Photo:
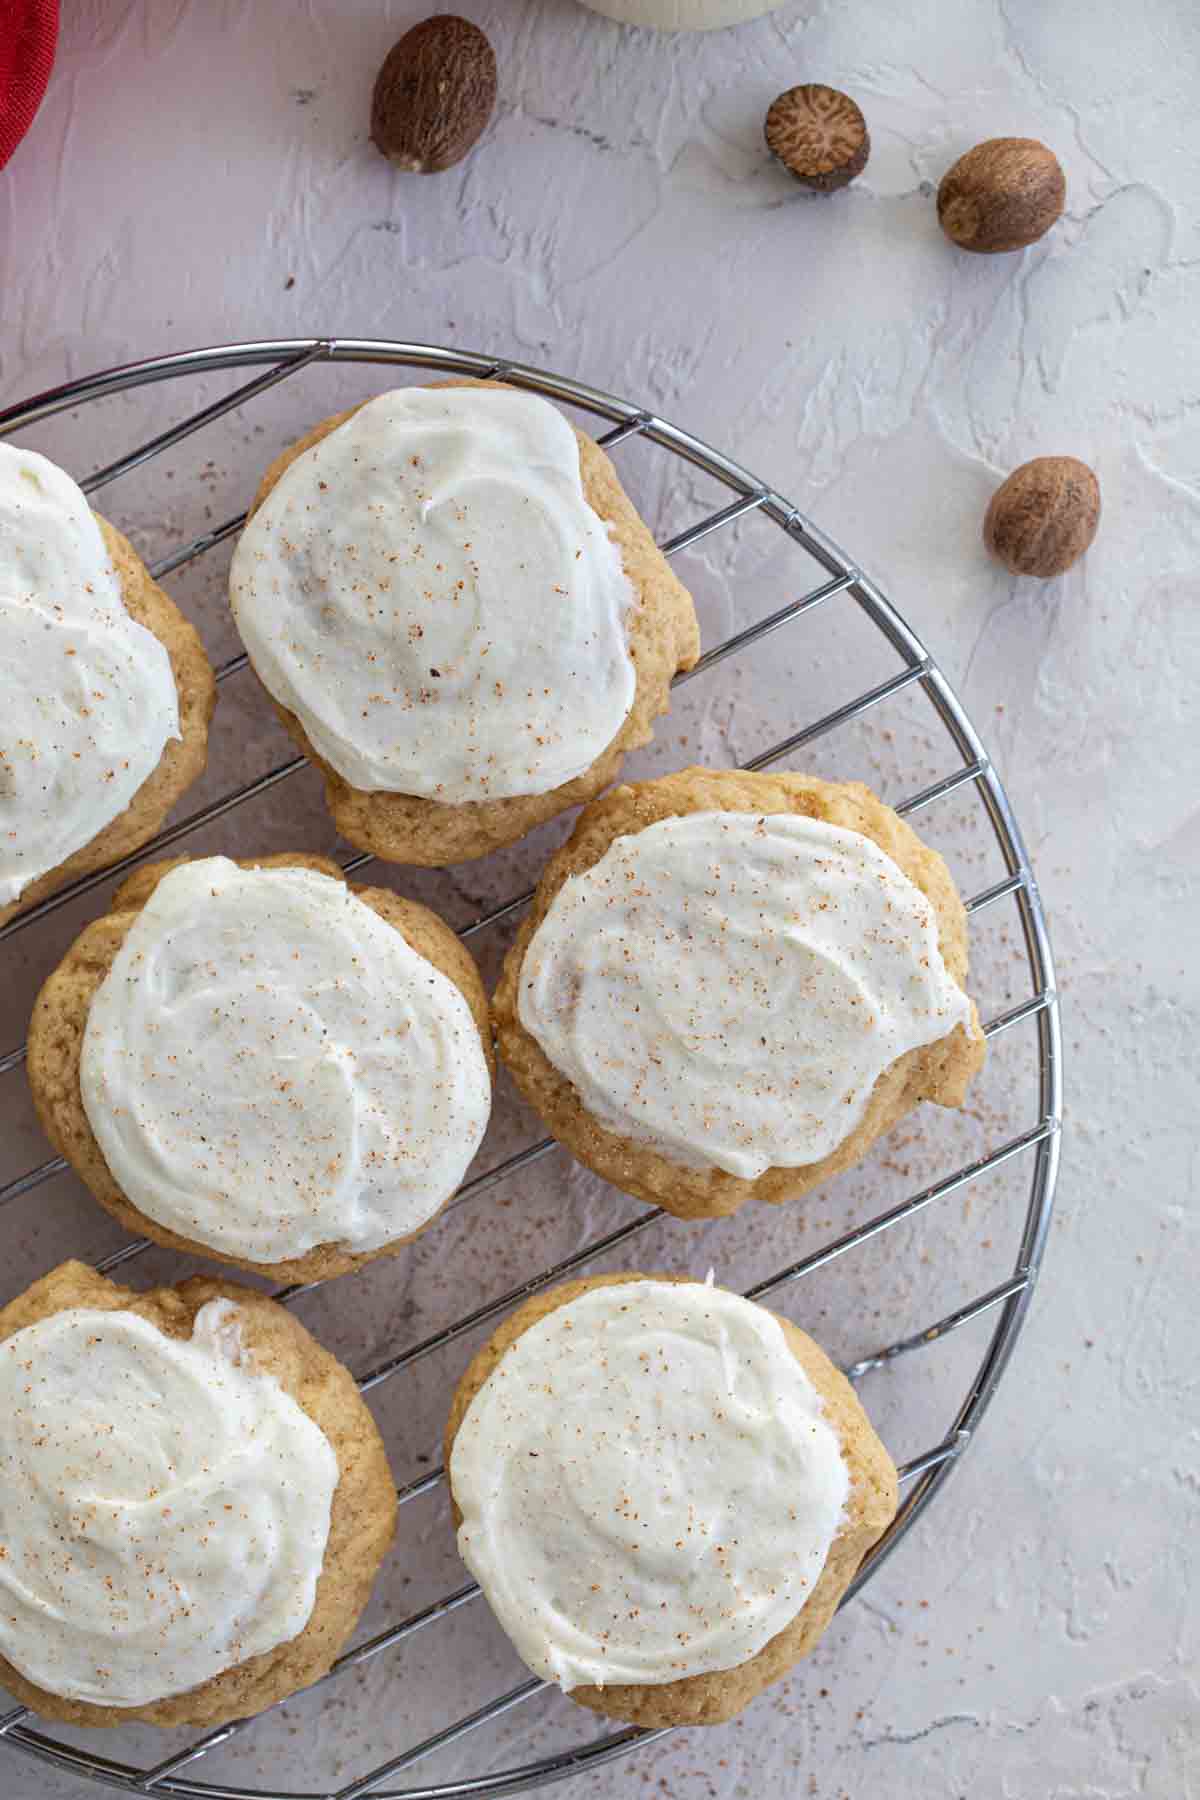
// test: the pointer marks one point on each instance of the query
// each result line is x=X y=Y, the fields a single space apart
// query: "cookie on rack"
x=664 y=1491
x=260 y=1063
x=195 y=1500
x=459 y=614
x=105 y=690
x=729 y=985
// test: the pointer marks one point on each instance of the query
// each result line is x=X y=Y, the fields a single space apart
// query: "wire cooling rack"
x=842 y=583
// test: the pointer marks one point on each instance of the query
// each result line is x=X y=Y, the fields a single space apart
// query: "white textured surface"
x=200 y=172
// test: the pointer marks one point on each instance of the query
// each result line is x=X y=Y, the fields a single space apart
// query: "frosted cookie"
x=459 y=615
x=664 y=1491
x=105 y=690
x=194 y=1500
x=729 y=985
x=257 y=1062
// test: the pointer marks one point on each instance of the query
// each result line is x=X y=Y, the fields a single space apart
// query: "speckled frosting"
x=648 y=1486
x=164 y=1507
x=268 y=1065
x=727 y=987
x=87 y=697
x=428 y=590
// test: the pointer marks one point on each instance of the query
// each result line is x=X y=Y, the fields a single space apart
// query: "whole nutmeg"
x=1001 y=195
x=1042 y=519
x=434 y=95
x=818 y=134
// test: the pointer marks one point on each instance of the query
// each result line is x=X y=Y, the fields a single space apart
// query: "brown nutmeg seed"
x=818 y=134
x=1001 y=195
x=434 y=95
x=1042 y=519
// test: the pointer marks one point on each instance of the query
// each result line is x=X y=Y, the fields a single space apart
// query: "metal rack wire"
x=923 y=1475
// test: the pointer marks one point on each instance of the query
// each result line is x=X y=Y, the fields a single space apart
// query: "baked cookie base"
x=362 y=1518
x=59 y=1020
x=183 y=758
x=940 y=1071
x=664 y=638
x=712 y=1698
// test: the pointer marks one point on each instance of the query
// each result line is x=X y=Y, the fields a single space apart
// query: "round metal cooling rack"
x=843 y=581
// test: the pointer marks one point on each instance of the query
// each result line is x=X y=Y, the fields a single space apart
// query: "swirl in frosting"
x=87 y=697
x=164 y=1508
x=268 y=1065
x=649 y=1487
x=728 y=988
x=429 y=592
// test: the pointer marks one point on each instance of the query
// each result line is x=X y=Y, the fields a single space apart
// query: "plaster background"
x=200 y=172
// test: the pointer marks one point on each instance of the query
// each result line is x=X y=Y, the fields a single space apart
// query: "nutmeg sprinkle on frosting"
x=429 y=592
x=164 y=1505
x=87 y=698
x=648 y=1485
x=728 y=988
x=268 y=1065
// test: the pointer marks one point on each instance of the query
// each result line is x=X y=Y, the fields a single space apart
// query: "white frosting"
x=87 y=697
x=648 y=1485
x=163 y=1510
x=728 y=988
x=268 y=1065
x=428 y=590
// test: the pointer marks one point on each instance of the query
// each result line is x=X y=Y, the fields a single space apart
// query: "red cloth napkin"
x=28 y=34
